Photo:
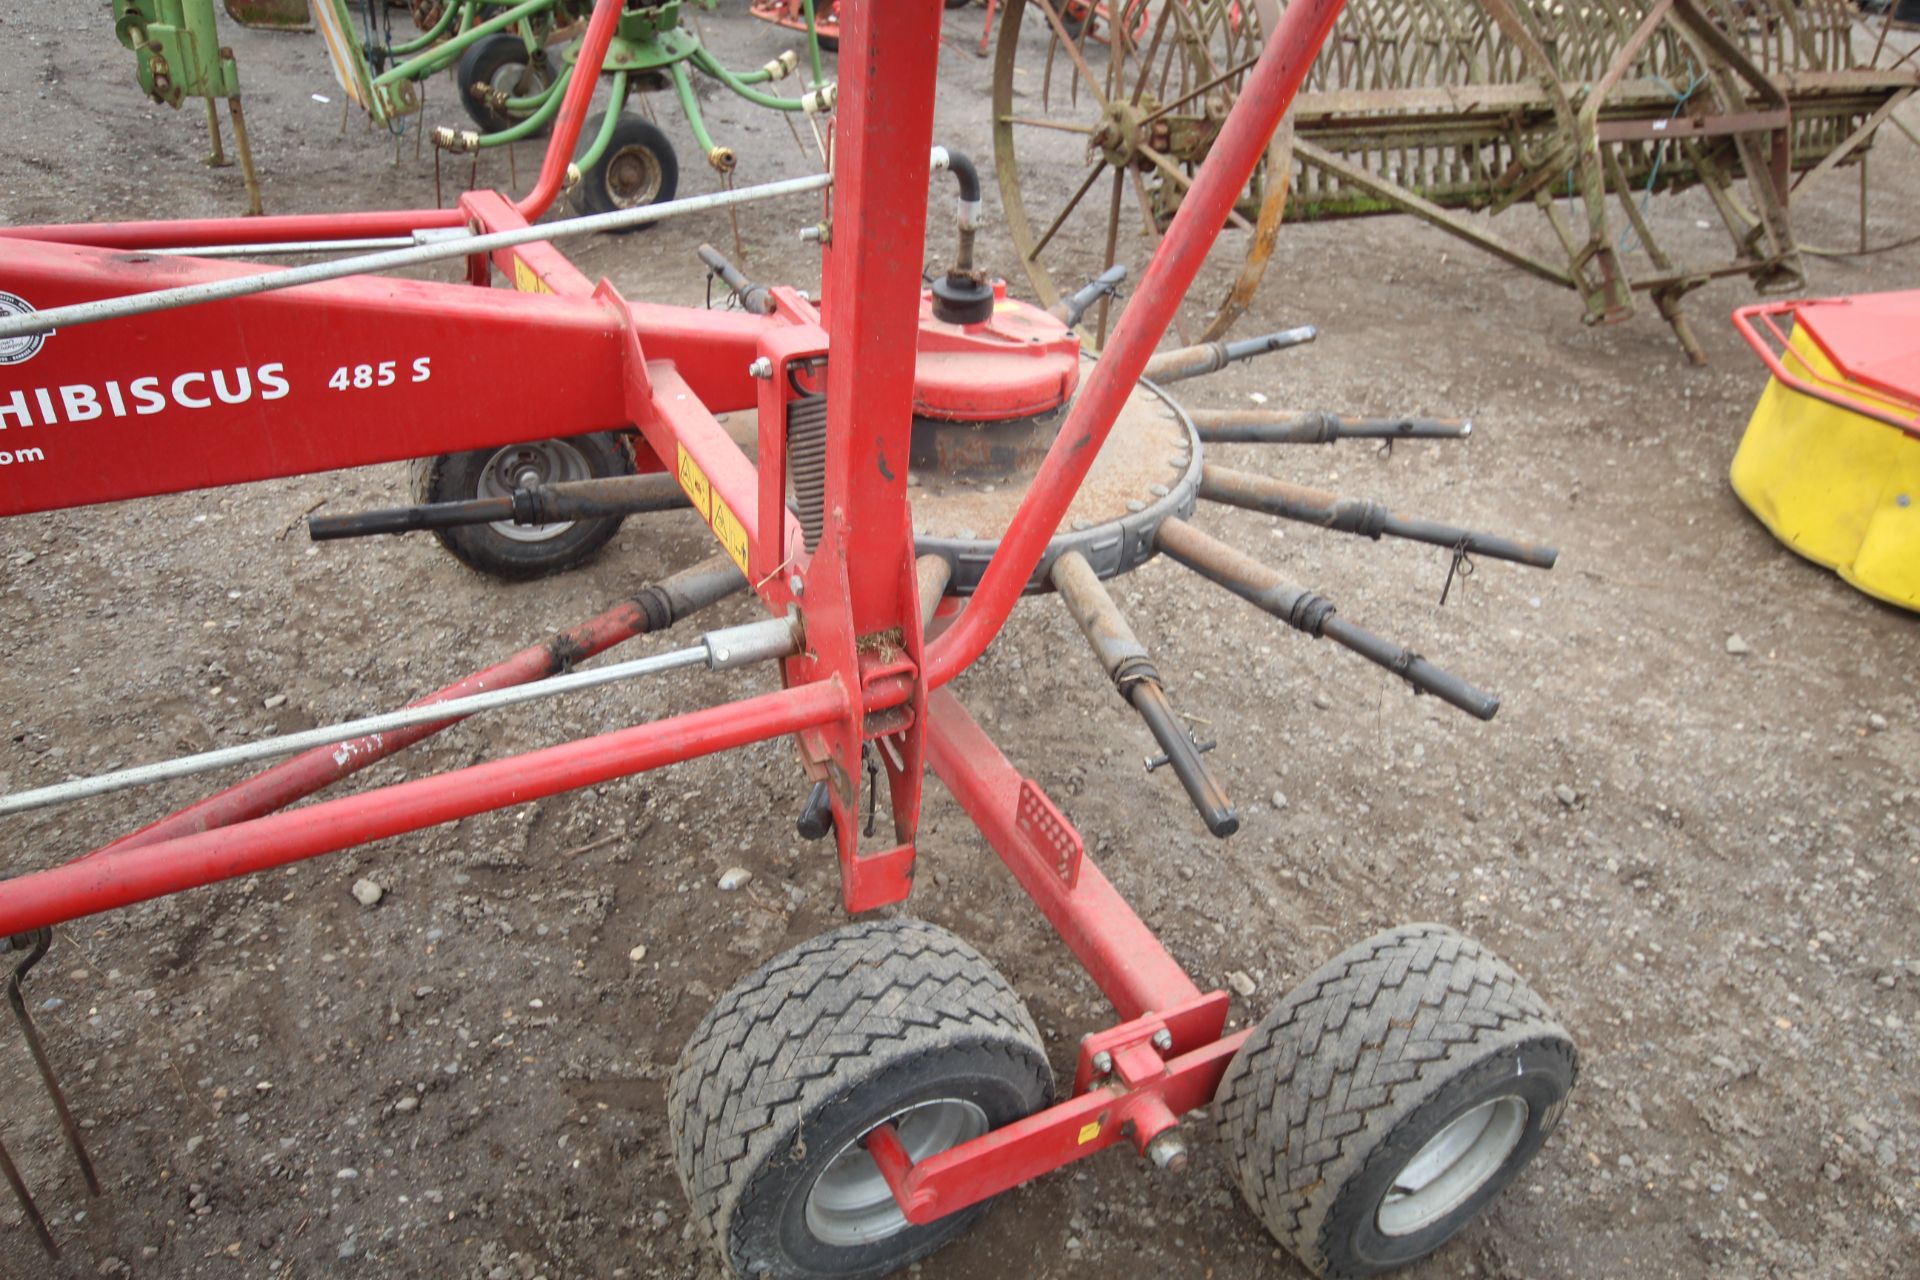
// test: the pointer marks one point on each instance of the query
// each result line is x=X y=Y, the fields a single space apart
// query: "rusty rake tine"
x=1361 y=518
x=1046 y=73
x=1153 y=49
x=1073 y=51
x=27 y=1205
x=43 y=940
x=1314 y=615
x=1134 y=676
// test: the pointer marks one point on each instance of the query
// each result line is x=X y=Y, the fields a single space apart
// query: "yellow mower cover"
x=1830 y=461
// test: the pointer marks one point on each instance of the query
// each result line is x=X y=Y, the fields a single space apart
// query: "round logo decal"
x=18 y=350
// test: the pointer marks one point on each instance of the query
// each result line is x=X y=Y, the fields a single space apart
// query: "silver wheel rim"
x=525 y=466
x=1454 y=1164
x=849 y=1203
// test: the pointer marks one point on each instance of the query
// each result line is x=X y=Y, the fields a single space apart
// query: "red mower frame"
x=239 y=389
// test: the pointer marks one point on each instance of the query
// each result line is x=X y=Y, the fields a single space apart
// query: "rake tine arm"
x=1314 y=614
x=1133 y=674
x=1104 y=285
x=543 y=504
x=1356 y=516
x=1210 y=357
x=1268 y=426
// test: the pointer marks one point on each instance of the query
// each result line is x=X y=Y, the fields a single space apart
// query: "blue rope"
x=1629 y=241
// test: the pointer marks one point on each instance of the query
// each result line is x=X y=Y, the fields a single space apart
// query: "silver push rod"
x=721 y=650
x=79 y=313
x=274 y=247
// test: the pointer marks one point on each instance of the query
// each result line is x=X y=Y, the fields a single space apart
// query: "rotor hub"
x=1121 y=131
x=969 y=478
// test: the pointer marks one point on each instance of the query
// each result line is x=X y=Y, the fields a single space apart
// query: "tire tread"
x=812 y=1023
x=1327 y=1076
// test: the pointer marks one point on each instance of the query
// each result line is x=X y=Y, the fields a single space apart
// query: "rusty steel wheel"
x=1131 y=101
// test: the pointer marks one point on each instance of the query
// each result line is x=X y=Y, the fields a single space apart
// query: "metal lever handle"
x=816 y=815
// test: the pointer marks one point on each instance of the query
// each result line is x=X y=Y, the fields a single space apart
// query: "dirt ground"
x=1706 y=860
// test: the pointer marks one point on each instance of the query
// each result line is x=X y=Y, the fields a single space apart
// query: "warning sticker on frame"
x=727 y=528
x=693 y=481
x=526 y=279
x=712 y=508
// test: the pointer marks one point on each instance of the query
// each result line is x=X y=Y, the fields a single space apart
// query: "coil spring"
x=807 y=463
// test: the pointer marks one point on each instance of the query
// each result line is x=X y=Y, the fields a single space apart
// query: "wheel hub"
x=528 y=466
x=633 y=176
x=969 y=478
x=850 y=1203
x=1120 y=132
x=1456 y=1162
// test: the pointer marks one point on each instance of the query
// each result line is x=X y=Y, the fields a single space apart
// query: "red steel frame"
x=867 y=671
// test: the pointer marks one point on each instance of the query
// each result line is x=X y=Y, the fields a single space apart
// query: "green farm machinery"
x=512 y=64
x=179 y=57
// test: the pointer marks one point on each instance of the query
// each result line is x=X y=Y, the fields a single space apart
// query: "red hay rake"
x=1371 y=1116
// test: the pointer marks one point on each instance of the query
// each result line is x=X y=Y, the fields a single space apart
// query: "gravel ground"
x=1694 y=827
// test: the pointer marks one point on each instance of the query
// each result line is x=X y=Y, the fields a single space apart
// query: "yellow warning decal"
x=713 y=509
x=693 y=481
x=1089 y=1131
x=526 y=279
x=727 y=528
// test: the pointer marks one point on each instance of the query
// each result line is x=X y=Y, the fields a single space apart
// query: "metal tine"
x=1270 y=426
x=1357 y=516
x=36 y=945
x=27 y=1205
x=1182 y=363
x=1314 y=614
x=1134 y=675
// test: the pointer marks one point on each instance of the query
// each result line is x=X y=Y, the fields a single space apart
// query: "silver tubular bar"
x=721 y=650
x=40 y=322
